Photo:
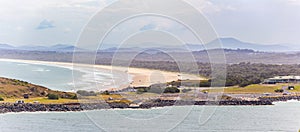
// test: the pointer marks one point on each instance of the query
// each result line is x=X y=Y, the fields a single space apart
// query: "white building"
x=283 y=79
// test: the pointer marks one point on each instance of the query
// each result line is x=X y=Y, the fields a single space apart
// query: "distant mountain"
x=58 y=48
x=32 y=48
x=232 y=43
x=6 y=46
x=62 y=47
x=227 y=43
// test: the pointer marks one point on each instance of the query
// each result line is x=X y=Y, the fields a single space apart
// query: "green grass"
x=255 y=88
x=117 y=98
x=42 y=100
x=297 y=89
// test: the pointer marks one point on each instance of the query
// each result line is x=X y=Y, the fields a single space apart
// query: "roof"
x=286 y=77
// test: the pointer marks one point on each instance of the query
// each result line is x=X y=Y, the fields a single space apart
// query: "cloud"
x=293 y=2
x=270 y=21
x=45 y=24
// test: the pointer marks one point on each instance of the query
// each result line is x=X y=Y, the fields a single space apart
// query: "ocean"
x=283 y=116
x=61 y=78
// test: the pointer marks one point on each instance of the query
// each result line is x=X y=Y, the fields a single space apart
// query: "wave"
x=41 y=70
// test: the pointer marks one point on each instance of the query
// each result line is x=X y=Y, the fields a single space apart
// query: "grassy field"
x=42 y=100
x=115 y=98
x=256 y=88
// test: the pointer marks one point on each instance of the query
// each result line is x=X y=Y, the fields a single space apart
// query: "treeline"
x=241 y=74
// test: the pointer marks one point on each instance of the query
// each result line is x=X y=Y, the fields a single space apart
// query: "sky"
x=50 y=22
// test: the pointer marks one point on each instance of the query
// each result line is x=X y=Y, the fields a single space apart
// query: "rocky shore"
x=28 y=107
x=162 y=103
x=279 y=98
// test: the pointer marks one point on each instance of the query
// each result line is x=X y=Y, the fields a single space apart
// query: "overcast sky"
x=50 y=22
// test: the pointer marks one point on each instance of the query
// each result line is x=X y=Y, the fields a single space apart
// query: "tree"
x=171 y=90
x=1 y=99
x=53 y=96
x=74 y=96
x=105 y=93
x=279 y=90
x=86 y=93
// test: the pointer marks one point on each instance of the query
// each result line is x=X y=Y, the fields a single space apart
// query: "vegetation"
x=171 y=90
x=1 y=99
x=86 y=93
x=191 y=83
x=12 y=88
x=254 y=89
x=53 y=97
x=296 y=89
x=244 y=74
x=157 y=89
x=279 y=90
x=43 y=100
x=226 y=97
x=239 y=72
x=18 y=82
x=141 y=90
x=111 y=96
x=74 y=96
x=105 y=93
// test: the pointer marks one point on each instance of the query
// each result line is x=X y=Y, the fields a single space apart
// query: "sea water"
x=282 y=117
x=60 y=78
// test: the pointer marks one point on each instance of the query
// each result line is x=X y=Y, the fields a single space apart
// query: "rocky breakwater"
x=162 y=103
x=28 y=107
x=280 y=98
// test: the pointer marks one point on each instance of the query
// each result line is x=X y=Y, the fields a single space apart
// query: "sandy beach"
x=137 y=76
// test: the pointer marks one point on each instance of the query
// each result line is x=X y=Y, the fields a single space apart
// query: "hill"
x=233 y=43
x=12 y=88
x=56 y=48
x=227 y=43
x=6 y=46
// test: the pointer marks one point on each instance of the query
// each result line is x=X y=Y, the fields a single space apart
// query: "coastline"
x=140 y=77
x=82 y=107
x=136 y=77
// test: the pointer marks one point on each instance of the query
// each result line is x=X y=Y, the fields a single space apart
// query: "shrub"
x=156 y=89
x=74 y=97
x=1 y=99
x=171 y=90
x=53 y=96
x=105 y=93
x=278 y=90
x=141 y=90
x=226 y=97
x=244 y=84
x=86 y=93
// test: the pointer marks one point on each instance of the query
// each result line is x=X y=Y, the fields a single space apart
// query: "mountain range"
x=227 y=43
x=57 y=48
x=232 y=43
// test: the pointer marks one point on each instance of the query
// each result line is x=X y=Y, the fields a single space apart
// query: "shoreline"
x=140 y=77
x=85 y=107
x=136 y=77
